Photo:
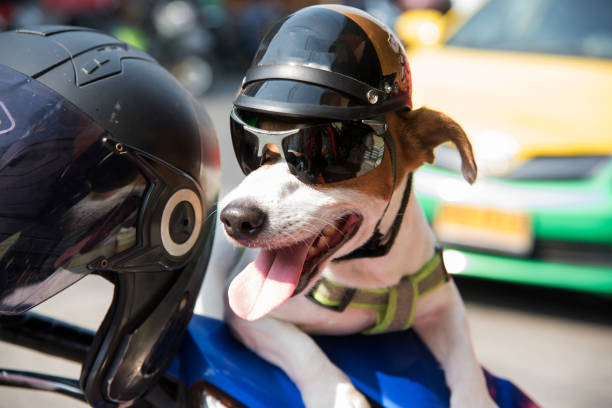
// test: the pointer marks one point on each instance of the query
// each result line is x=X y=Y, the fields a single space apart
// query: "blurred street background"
x=530 y=243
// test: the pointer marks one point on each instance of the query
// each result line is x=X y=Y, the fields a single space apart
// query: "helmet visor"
x=65 y=198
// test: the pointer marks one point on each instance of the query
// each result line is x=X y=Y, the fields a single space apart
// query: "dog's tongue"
x=267 y=282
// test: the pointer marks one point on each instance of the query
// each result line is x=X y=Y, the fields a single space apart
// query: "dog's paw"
x=347 y=396
x=336 y=394
x=475 y=400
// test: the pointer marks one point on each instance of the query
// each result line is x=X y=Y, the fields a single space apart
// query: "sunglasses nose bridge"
x=269 y=140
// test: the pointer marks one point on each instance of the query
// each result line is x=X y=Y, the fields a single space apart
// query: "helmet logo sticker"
x=7 y=123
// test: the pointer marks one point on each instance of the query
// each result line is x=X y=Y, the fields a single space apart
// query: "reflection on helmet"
x=328 y=61
x=64 y=195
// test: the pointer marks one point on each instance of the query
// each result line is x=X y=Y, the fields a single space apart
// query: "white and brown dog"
x=300 y=228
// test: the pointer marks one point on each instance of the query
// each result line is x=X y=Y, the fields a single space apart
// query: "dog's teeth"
x=329 y=230
x=323 y=241
x=312 y=251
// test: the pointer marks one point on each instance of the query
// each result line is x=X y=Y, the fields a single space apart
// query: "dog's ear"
x=421 y=130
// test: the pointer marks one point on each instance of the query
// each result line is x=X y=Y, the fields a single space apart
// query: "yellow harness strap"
x=395 y=305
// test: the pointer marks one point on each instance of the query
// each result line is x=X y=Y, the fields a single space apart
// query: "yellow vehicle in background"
x=531 y=83
x=420 y=28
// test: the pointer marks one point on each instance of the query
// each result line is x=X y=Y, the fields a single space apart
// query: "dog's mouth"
x=280 y=273
x=326 y=243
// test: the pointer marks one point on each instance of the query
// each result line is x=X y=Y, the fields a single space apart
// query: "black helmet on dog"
x=106 y=166
x=328 y=61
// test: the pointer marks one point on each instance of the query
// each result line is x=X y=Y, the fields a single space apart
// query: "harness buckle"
x=343 y=302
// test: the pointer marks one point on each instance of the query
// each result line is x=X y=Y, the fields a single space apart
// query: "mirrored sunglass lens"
x=245 y=147
x=333 y=152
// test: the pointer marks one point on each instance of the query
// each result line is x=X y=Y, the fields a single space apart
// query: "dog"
x=293 y=222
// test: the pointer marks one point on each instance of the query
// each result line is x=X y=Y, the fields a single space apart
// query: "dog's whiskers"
x=302 y=233
x=327 y=223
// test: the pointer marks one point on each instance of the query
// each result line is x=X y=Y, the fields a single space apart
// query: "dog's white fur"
x=297 y=211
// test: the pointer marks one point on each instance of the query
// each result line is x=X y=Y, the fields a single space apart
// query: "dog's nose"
x=243 y=220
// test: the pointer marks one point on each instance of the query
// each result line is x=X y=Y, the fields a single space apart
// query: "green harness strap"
x=395 y=305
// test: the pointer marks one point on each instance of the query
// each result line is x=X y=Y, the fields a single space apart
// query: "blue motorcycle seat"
x=394 y=370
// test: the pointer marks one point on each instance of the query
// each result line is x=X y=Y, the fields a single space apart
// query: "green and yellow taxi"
x=531 y=83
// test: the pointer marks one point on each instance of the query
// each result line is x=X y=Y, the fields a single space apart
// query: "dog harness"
x=395 y=305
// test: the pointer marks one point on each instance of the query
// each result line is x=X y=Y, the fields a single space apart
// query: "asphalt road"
x=557 y=346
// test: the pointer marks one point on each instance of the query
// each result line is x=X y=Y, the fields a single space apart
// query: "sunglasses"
x=318 y=154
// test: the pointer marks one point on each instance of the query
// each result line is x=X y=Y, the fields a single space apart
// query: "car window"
x=572 y=27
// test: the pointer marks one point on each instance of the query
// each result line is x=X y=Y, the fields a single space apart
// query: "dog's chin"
x=326 y=243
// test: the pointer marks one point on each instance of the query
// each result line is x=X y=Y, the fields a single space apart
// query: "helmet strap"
x=379 y=244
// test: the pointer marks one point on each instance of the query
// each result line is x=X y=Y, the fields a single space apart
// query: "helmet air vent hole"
x=181 y=222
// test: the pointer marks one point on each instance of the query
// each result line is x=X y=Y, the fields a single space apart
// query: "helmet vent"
x=181 y=222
